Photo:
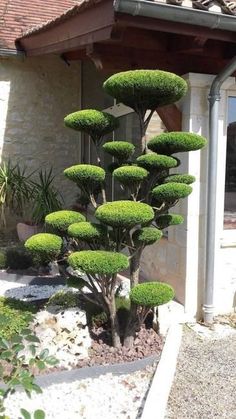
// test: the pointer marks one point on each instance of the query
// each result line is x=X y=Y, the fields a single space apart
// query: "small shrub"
x=44 y=247
x=155 y=162
x=176 y=142
x=14 y=316
x=64 y=298
x=128 y=175
x=18 y=258
x=145 y=89
x=124 y=213
x=86 y=175
x=151 y=294
x=59 y=221
x=87 y=232
x=92 y=122
x=166 y=220
x=170 y=192
x=121 y=150
x=3 y=260
x=183 y=178
x=146 y=236
x=98 y=262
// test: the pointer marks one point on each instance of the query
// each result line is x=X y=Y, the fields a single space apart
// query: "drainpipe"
x=214 y=99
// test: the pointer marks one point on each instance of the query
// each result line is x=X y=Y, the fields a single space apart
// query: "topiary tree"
x=119 y=231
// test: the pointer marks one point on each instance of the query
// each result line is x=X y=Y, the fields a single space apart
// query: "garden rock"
x=64 y=333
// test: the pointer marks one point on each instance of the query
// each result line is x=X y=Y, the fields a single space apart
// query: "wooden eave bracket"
x=171 y=117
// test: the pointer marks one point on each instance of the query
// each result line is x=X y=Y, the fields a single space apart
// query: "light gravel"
x=108 y=396
x=205 y=381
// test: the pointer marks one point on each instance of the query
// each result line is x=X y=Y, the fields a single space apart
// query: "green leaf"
x=51 y=360
x=25 y=414
x=18 y=347
x=40 y=364
x=14 y=382
x=36 y=388
x=39 y=414
x=26 y=331
x=16 y=339
x=32 y=349
x=44 y=354
x=6 y=354
x=3 y=343
x=32 y=338
x=32 y=362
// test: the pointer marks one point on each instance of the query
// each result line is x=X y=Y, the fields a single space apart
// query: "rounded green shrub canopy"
x=146 y=236
x=182 y=178
x=145 y=89
x=170 y=192
x=60 y=220
x=121 y=150
x=166 y=220
x=92 y=122
x=87 y=231
x=98 y=262
x=86 y=175
x=176 y=142
x=128 y=175
x=154 y=162
x=151 y=294
x=44 y=247
x=124 y=214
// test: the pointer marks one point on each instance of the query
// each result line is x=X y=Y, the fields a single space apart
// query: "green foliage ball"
x=128 y=175
x=166 y=220
x=86 y=175
x=124 y=214
x=92 y=122
x=170 y=192
x=3 y=260
x=59 y=221
x=145 y=89
x=14 y=316
x=87 y=231
x=155 y=162
x=182 y=178
x=146 y=236
x=151 y=294
x=98 y=262
x=121 y=150
x=44 y=247
x=176 y=142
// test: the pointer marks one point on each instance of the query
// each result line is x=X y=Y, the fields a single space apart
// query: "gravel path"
x=205 y=380
x=108 y=396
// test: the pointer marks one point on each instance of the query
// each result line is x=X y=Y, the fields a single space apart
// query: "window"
x=230 y=174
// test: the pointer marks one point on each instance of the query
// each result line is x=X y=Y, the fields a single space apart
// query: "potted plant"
x=44 y=198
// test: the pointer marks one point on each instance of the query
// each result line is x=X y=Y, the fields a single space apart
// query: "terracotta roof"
x=215 y=6
x=18 y=15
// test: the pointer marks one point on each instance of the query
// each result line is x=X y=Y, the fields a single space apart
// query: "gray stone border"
x=94 y=371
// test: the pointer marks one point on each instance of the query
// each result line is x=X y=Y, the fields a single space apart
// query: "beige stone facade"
x=35 y=95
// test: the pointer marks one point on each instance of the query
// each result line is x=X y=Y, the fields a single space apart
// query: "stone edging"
x=157 y=398
x=94 y=371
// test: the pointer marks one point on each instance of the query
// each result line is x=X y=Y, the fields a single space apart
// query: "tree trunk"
x=115 y=329
x=131 y=327
x=135 y=268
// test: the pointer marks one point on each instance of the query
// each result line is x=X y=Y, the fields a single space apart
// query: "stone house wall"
x=35 y=95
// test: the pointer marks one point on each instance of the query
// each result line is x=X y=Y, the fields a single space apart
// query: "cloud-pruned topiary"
x=124 y=214
x=146 y=236
x=86 y=175
x=44 y=247
x=145 y=89
x=155 y=162
x=92 y=122
x=98 y=262
x=121 y=150
x=87 y=231
x=59 y=221
x=176 y=142
x=171 y=192
x=151 y=294
x=128 y=175
x=166 y=220
x=180 y=178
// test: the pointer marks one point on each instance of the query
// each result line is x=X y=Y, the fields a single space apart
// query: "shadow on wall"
x=35 y=95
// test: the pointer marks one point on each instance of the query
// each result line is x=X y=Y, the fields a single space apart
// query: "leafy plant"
x=14 y=316
x=18 y=258
x=44 y=247
x=15 y=370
